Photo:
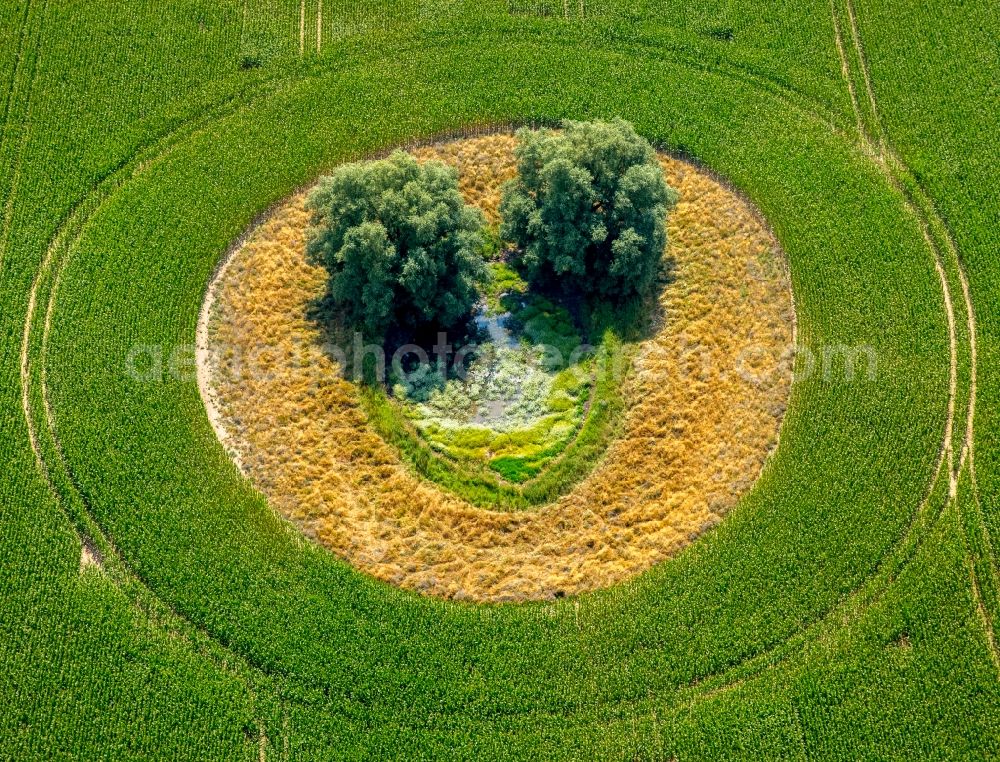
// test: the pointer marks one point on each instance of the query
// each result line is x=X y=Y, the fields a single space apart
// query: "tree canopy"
x=401 y=246
x=588 y=209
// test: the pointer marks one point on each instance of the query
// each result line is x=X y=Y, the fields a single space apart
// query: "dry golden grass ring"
x=705 y=405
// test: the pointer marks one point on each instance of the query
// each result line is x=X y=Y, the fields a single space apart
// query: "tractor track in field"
x=302 y=29
x=91 y=534
x=22 y=27
x=70 y=231
x=891 y=165
x=865 y=72
x=838 y=39
x=885 y=162
x=319 y=27
x=15 y=141
x=967 y=452
x=921 y=205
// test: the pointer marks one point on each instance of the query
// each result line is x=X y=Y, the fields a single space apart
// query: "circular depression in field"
x=704 y=395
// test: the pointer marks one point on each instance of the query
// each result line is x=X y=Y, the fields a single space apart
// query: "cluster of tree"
x=588 y=209
x=586 y=214
x=401 y=246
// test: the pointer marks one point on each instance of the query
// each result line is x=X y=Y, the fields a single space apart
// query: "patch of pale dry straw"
x=695 y=436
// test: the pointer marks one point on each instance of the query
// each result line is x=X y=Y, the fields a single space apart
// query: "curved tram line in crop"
x=948 y=263
x=59 y=476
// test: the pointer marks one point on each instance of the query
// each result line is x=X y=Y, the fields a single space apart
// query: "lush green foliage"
x=529 y=465
x=588 y=209
x=402 y=248
x=832 y=615
x=519 y=399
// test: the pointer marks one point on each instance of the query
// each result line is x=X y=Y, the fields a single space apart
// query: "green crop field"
x=847 y=608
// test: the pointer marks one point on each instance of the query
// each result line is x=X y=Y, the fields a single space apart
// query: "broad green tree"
x=401 y=246
x=588 y=209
